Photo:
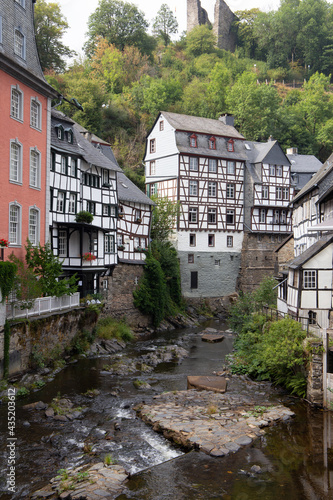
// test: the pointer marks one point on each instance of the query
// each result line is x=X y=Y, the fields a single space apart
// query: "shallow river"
x=296 y=458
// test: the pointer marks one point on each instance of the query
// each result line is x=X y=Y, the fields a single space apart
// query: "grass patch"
x=109 y=328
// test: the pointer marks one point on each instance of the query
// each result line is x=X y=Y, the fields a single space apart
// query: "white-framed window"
x=193 y=191
x=193 y=215
x=193 y=141
x=265 y=192
x=72 y=203
x=119 y=239
x=35 y=113
x=16 y=104
x=193 y=164
x=262 y=215
x=152 y=146
x=64 y=165
x=278 y=171
x=161 y=125
x=230 y=190
x=62 y=243
x=283 y=217
x=230 y=241
x=285 y=193
x=143 y=242
x=211 y=215
x=279 y=193
x=61 y=198
x=153 y=189
x=276 y=217
x=230 y=216
x=15 y=171
x=136 y=242
x=60 y=133
x=231 y=167
x=212 y=189
x=34 y=174
x=15 y=214
x=34 y=226
x=272 y=170
x=91 y=207
x=106 y=178
x=108 y=243
x=211 y=240
x=19 y=43
x=192 y=240
x=310 y=279
x=152 y=167
x=69 y=133
x=212 y=165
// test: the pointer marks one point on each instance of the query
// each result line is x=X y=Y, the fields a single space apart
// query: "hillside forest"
x=277 y=82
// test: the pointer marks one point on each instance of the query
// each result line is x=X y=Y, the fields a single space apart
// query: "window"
x=193 y=188
x=119 y=240
x=283 y=217
x=106 y=179
x=230 y=216
x=309 y=279
x=61 y=201
x=312 y=318
x=136 y=242
x=16 y=105
x=212 y=189
x=212 y=216
x=153 y=189
x=19 y=43
x=230 y=241
x=231 y=167
x=262 y=216
x=108 y=243
x=152 y=146
x=72 y=203
x=192 y=240
x=230 y=190
x=15 y=224
x=285 y=193
x=91 y=207
x=230 y=146
x=15 y=172
x=21 y=2
x=161 y=125
x=92 y=180
x=265 y=192
x=211 y=240
x=272 y=170
x=137 y=215
x=143 y=242
x=276 y=217
x=34 y=178
x=35 y=114
x=34 y=226
x=72 y=170
x=62 y=243
x=194 y=280
x=193 y=215
x=69 y=133
x=152 y=168
x=217 y=262
x=193 y=141
x=108 y=210
x=190 y=258
x=279 y=171
x=212 y=143
x=212 y=165
x=63 y=165
x=193 y=164
x=60 y=133
x=279 y=193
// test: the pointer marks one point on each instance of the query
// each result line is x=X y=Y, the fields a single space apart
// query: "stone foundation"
x=315 y=375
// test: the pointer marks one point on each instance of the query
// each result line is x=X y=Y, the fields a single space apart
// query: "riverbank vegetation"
x=266 y=349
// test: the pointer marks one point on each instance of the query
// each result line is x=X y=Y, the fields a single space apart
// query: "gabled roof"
x=62 y=145
x=200 y=125
x=304 y=163
x=311 y=252
x=266 y=152
x=128 y=191
x=318 y=176
x=93 y=155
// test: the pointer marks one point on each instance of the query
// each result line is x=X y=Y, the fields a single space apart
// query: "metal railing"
x=43 y=305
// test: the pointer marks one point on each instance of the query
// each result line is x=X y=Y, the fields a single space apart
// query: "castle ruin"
x=222 y=26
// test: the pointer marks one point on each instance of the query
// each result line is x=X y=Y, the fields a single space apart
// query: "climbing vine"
x=6 y=350
x=7 y=278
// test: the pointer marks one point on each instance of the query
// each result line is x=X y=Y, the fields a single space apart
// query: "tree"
x=165 y=24
x=121 y=24
x=164 y=214
x=245 y=30
x=50 y=26
x=200 y=40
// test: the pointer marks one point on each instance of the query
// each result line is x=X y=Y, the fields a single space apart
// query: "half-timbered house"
x=199 y=163
x=82 y=179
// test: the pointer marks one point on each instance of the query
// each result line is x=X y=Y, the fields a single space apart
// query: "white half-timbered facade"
x=199 y=163
x=82 y=179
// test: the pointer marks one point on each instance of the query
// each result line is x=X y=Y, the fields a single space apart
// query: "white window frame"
x=61 y=201
x=16 y=108
x=285 y=193
x=262 y=215
x=309 y=280
x=63 y=166
x=193 y=188
x=109 y=246
x=72 y=203
x=230 y=241
x=35 y=113
x=152 y=146
x=278 y=193
x=19 y=43
x=212 y=165
x=15 y=167
x=34 y=228
x=230 y=213
x=35 y=168
x=212 y=214
x=193 y=215
x=193 y=164
x=62 y=243
x=272 y=170
x=265 y=192
x=16 y=241
x=152 y=168
x=212 y=189
x=231 y=191
x=231 y=167
x=278 y=171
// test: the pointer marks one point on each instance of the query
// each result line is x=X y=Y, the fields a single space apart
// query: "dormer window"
x=212 y=143
x=193 y=141
x=19 y=43
x=69 y=134
x=60 y=132
x=230 y=146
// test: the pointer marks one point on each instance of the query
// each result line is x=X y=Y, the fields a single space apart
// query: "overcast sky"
x=77 y=13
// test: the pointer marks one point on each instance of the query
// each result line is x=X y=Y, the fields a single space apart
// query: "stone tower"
x=223 y=19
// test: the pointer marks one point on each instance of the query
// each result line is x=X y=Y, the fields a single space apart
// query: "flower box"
x=88 y=257
x=3 y=243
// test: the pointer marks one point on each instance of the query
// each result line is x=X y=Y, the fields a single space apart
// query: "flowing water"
x=295 y=458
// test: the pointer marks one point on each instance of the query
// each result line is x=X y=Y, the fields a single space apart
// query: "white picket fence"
x=44 y=305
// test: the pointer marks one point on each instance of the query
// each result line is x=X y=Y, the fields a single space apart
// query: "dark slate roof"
x=93 y=155
x=311 y=252
x=318 y=176
x=304 y=163
x=201 y=125
x=251 y=168
x=128 y=191
x=266 y=152
x=58 y=118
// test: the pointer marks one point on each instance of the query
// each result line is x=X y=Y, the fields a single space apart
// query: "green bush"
x=108 y=328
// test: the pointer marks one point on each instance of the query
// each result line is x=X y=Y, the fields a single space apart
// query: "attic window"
x=247 y=146
x=193 y=141
x=69 y=133
x=231 y=146
x=161 y=125
x=212 y=143
x=60 y=132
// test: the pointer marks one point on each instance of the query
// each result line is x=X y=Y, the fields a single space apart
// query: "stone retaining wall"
x=315 y=375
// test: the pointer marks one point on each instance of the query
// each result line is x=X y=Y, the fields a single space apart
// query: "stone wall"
x=315 y=375
x=44 y=335
x=119 y=296
x=196 y=15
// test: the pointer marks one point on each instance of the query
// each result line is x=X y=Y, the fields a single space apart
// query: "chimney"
x=227 y=119
x=87 y=135
x=292 y=151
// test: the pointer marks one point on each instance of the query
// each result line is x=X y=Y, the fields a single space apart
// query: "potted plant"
x=84 y=216
x=88 y=256
x=121 y=247
x=3 y=243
